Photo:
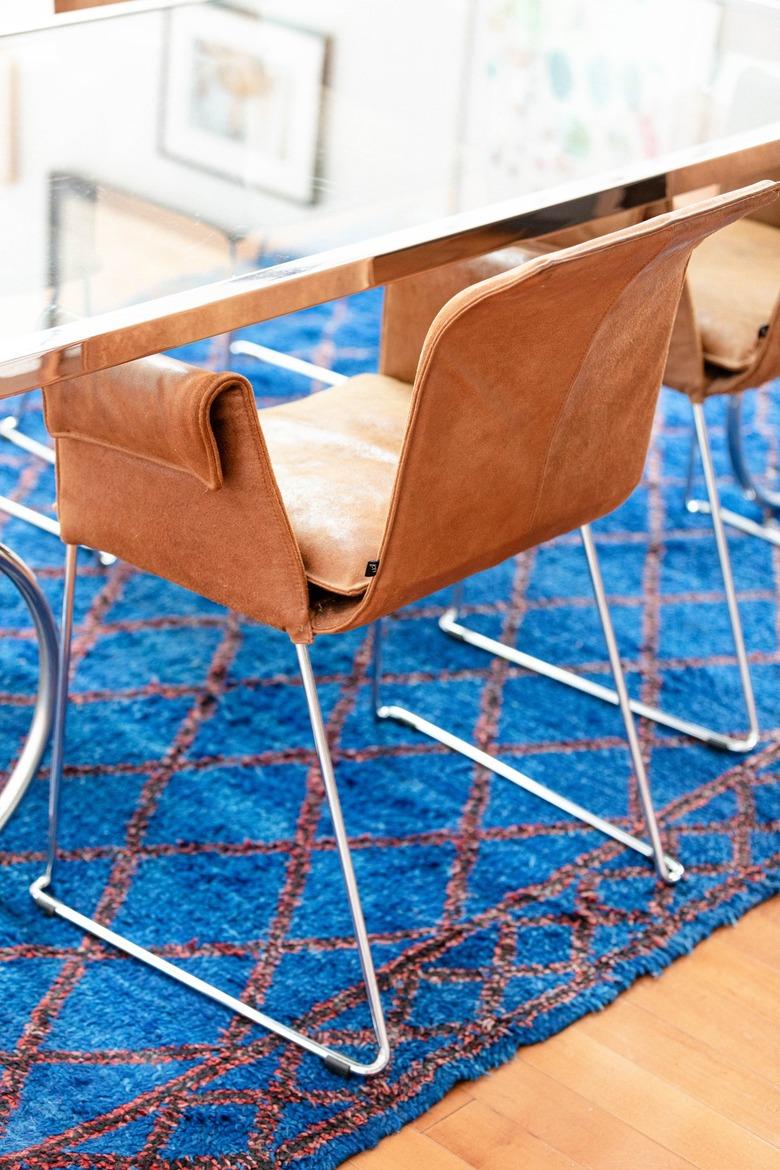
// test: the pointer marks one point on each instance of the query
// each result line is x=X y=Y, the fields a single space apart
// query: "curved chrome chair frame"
x=22 y=578
x=43 y=893
x=667 y=867
x=450 y=624
x=754 y=491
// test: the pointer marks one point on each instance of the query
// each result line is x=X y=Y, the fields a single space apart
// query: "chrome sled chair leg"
x=450 y=624
x=42 y=890
x=668 y=868
x=753 y=490
x=286 y=361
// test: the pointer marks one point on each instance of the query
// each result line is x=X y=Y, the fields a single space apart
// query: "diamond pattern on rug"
x=195 y=820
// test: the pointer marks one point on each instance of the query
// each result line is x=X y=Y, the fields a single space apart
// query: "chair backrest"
x=534 y=400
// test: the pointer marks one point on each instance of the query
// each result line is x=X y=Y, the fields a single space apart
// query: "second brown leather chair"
x=528 y=414
x=727 y=340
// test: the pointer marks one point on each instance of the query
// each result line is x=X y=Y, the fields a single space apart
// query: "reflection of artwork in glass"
x=563 y=90
x=238 y=96
x=242 y=99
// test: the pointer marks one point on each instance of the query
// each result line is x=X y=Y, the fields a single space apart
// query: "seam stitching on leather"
x=77 y=437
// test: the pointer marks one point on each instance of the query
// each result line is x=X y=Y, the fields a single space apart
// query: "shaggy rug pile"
x=194 y=821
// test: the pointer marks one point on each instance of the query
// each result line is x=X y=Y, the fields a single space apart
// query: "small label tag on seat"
x=371 y=568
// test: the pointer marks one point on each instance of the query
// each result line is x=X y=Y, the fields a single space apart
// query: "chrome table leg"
x=29 y=760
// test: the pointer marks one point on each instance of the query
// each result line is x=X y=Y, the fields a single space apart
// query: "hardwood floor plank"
x=757 y=935
x=408 y=1150
x=587 y=1134
x=731 y=972
x=694 y=1006
x=743 y=977
x=455 y=1099
x=488 y=1140
x=653 y=1106
x=769 y=909
x=675 y=1056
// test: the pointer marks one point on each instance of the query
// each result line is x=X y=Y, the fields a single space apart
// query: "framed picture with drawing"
x=242 y=97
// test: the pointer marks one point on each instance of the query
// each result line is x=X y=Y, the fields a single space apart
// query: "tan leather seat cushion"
x=335 y=456
x=735 y=280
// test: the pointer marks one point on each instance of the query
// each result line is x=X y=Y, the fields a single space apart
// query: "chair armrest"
x=157 y=409
x=165 y=466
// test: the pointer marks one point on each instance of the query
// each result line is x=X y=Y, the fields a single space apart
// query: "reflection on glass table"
x=185 y=145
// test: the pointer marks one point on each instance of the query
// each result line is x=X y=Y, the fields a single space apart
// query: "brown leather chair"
x=521 y=409
x=727 y=340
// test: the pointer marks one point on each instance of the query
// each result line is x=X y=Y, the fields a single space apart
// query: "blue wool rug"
x=194 y=821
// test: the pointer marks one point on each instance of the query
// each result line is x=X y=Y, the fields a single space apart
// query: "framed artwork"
x=242 y=99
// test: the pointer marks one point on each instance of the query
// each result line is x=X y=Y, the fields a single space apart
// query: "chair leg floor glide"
x=668 y=868
x=44 y=897
x=450 y=624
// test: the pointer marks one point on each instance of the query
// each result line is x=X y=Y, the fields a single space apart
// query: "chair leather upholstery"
x=735 y=280
x=232 y=542
x=335 y=456
x=727 y=335
x=732 y=295
x=530 y=414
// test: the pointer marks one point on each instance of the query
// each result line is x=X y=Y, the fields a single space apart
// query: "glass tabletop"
x=149 y=152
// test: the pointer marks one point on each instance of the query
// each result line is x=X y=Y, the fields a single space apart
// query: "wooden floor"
x=680 y=1071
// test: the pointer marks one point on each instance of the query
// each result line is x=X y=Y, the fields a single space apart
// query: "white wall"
x=89 y=103
x=390 y=107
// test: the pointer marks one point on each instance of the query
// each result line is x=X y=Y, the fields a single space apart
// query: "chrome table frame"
x=451 y=625
x=28 y=762
x=43 y=893
x=668 y=868
x=112 y=338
